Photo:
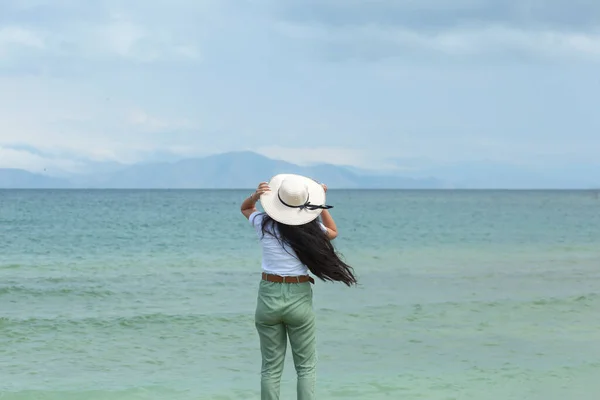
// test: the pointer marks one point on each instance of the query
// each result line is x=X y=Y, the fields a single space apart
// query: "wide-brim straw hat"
x=293 y=199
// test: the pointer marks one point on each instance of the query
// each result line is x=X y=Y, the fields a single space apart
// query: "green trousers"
x=285 y=310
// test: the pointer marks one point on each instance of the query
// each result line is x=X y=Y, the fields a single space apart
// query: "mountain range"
x=222 y=171
x=244 y=170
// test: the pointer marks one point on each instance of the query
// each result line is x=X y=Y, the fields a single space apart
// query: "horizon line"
x=498 y=189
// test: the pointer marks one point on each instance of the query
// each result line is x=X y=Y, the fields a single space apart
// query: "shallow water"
x=151 y=294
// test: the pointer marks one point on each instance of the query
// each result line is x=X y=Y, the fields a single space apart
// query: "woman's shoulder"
x=256 y=218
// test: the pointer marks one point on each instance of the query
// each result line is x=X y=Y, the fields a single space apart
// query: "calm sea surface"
x=122 y=295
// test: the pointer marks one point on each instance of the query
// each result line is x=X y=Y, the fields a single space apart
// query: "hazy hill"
x=229 y=170
x=484 y=175
x=240 y=170
x=246 y=169
x=11 y=178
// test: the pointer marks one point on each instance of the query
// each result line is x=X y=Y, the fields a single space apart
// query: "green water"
x=150 y=295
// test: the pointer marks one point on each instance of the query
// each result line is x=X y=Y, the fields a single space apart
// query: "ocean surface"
x=474 y=295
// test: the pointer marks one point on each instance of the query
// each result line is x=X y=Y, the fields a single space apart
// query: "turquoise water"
x=150 y=295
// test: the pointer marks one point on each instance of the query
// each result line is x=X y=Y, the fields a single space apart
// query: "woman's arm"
x=328 y=221
x=249 y=205
x=329 y=224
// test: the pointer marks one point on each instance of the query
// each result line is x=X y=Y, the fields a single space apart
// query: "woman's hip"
x=281 y=301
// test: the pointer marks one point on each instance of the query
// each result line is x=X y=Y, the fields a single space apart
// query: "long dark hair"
x=313 y=248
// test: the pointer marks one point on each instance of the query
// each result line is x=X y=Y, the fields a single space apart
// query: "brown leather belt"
x=287 y=279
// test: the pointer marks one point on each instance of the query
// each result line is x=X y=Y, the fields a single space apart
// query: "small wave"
x=566 y=300
x=10 y=266
x=114 y=393
x=549 y=301
x=140 y=320
x=86 y=292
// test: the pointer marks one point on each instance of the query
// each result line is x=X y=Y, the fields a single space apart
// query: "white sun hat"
x=293 y=199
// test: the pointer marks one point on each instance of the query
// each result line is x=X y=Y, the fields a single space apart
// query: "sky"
x=374 y=84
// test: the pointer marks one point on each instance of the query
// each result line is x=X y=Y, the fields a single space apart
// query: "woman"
x=293 y=243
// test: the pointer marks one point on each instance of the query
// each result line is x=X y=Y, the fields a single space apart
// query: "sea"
x=150 y=294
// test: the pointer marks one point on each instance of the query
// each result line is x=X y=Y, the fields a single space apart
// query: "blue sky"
x=366 y=83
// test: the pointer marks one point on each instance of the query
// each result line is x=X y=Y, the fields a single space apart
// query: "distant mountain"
x=245 y=169
x=490 y=175
x=222 y=171
x=240 y=170
x=11 y=178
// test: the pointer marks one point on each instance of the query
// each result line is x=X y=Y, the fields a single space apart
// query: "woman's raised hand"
x=263 y=187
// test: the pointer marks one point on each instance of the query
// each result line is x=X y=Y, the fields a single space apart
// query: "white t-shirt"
x=277 y=259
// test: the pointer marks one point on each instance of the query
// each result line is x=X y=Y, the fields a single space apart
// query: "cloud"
x=18 y=36
x=306 y=80
x=464 y=31
x=122 y=38
x=472 y=30
x=92 y=32
x=16 y=41
x=442 y=15
x=164 y=30
x=140 y=119
x=317 y=155
x=22 y=159
x=375 y=43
